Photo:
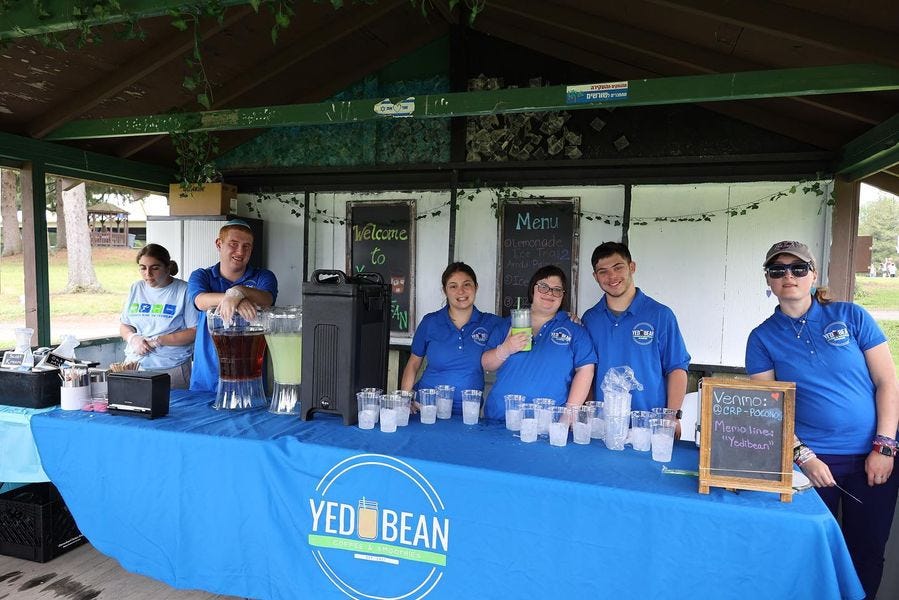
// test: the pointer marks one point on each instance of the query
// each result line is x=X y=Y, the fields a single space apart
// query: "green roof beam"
x=22 y=20
x=871 y=152
x=642 y=92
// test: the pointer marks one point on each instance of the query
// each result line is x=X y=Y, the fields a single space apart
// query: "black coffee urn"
x=346 y=336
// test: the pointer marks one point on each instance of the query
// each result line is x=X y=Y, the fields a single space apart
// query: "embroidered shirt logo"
x=643 y=333
x=479 y=336
x=837 y=334
x=561 y=336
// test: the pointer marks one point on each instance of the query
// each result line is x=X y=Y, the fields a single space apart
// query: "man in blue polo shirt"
x=234 y=287
x=630 y=328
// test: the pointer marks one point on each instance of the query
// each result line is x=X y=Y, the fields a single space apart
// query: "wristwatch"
x=885 y=450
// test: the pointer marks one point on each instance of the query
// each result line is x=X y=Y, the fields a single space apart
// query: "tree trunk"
x=61 y=241
x=12 y=237
x=82 y=277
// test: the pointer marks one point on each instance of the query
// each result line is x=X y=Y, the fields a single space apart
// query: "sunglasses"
x=556 y=292
x=798 y=269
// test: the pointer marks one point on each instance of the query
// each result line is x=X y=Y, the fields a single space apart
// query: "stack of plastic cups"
x=513 y=411
x=402 y=414
x=617 y=414
x=445 y=395
x=529 y=425
x=427 y=405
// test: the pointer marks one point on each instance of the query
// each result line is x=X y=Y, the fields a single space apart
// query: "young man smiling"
x=630 y=328
x=234 y=287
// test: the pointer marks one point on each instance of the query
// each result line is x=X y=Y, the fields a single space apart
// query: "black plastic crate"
x=35 y=523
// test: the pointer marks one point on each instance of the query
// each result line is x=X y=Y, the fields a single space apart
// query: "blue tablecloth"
x=19 y=459
x=264 y=506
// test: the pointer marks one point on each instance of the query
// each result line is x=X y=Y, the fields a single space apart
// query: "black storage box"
x=346 y=335
x=139 y=393
x=29 y=389
x=35 y=523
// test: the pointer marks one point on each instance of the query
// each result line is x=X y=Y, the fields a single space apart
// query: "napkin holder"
x=139 y=393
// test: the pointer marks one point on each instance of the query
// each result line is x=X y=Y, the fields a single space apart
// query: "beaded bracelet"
x=802 y=454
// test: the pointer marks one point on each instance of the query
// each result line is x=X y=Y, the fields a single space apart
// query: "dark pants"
x=866 y=526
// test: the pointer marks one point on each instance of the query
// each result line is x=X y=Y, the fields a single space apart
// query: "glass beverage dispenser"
x=240 y=345
x=284 y=336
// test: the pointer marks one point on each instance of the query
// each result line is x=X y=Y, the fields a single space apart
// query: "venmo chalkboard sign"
x=534 y=233
x=381 y=239
x=746 y=435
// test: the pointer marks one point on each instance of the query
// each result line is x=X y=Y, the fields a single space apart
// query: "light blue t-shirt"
x=645 y=337
x=835 y=406
x=205 y=374
x=453 y=354
x=544 y=371
x=159 y=311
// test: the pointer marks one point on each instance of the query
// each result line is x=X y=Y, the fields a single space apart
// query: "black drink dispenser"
x=346 y=336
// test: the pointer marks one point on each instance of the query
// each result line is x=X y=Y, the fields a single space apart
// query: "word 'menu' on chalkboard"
x=746 y=437
x=381 y=239
x=534 y=233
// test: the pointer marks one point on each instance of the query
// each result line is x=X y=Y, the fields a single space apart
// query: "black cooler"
x=346 y=334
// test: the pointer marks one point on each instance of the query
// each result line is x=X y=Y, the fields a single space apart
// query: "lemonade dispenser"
x=284 y=336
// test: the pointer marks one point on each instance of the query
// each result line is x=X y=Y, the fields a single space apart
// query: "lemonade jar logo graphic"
x=367 y=516
x=378 y=529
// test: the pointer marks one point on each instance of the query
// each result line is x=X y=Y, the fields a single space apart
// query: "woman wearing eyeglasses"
x=158 y=322
x=452 y=338
x=847 y=401
x=561 y=361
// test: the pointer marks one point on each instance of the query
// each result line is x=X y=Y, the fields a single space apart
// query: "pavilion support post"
x=841 y=271
x=36 y=251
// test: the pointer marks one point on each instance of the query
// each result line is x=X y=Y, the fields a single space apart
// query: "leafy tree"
x=880 y=219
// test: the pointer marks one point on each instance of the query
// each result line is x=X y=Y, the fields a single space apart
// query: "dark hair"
x=457 y=267
x=548 y=271
x=607 y=249
x=161 y=254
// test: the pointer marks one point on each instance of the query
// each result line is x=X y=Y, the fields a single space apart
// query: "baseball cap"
x=237 y=222
x=797 y=249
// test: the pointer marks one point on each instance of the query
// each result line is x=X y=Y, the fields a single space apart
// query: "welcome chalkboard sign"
x=534 y=233
x=746 y=437
x=381 y=239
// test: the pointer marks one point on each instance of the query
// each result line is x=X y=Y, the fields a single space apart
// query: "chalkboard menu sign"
x=534 y=233
x=381 y=239
x=746 y=435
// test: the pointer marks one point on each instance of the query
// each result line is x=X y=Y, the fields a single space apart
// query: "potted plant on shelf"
x=200 y=190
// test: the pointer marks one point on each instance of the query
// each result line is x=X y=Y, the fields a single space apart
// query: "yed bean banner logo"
x=379 y=529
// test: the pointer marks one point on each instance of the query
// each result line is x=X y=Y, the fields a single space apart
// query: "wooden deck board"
x=84 y=574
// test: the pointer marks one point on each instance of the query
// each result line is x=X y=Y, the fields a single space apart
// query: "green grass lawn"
x=881 y=293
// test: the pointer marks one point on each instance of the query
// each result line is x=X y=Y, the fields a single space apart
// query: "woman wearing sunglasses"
x=561 y=360
x=847 y=401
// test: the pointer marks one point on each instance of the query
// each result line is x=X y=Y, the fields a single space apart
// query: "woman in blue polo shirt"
x=561 y=361
x=847 y=401
x=452 y=338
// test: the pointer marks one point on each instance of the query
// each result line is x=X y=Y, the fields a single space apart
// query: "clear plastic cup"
x=560 y=422
x=471 y=406
x=641 y=434
x=402 y=416
x=662 y=439
x=582 y=424
x=445 y=395
x=513 y=411
x=427 y=405
x=598 y=421
x=521 y=323
x=544 y=415
x=391 y=404
x=369 y=406
x=529 y=425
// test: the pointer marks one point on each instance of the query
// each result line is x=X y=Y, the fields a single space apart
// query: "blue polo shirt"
x=646 y=338
x=454 y=355
x=205 y=374
x=835 y=406
x=546 y=370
